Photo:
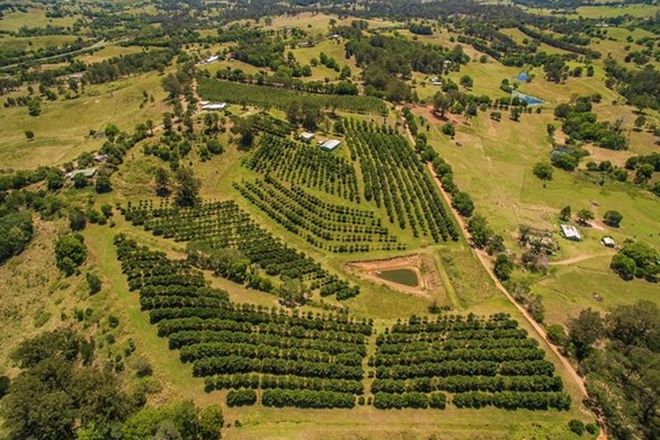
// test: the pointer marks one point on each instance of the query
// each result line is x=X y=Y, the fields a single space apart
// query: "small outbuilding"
x=87 y=172
x=608 y=241
x=214 y=106
x=436 y=81
x=571 y=233
x=306 y=136
x=330 y=144
x=212 y=59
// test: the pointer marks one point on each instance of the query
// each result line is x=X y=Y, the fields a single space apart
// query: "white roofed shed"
x=330 y=144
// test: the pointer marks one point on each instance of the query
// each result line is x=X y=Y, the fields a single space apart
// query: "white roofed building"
x=306 y=136
x=214 y=106
x=87 y=172
x=571 y=232
x=330 y=144
x=608 y=241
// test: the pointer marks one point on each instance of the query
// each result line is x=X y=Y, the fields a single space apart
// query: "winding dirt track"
x=485 y=262
x=579 y=258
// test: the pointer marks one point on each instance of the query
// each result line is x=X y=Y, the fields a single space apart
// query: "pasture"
x=57 y=140
x=109 y=51
x=633 y=10
x=493 y=162
x=34 y=17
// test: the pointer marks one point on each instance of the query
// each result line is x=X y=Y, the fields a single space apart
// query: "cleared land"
x=493 y=162
x=57 y=140
x=32 y=18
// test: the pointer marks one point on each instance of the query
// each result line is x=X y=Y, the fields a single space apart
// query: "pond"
x=530 y=100
x=406 y=277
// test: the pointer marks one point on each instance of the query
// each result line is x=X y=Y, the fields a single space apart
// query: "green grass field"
x=33 y=18
x=332 y=48
x=493 y=161
x=318 y=24
x=58 y=140
x=635 y=10
x=35 y=43
x=519 y=38
x=108 y=52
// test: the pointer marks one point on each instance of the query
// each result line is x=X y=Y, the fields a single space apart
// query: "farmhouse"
x=214 y=106
x=330 y=144
x=306 y=136
x=571 y=233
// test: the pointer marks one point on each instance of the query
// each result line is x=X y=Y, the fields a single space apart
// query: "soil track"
x=484 y=259
x=579 y=258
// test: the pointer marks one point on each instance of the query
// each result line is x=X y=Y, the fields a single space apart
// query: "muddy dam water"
x=407 y=277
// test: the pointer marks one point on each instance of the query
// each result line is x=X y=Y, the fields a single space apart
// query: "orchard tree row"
x=453 y=354
x=395 y=179
x=247 y=346
x=305 y=165
x=330 y=227
x=225 y=239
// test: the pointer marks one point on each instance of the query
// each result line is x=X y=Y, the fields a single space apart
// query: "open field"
x=57 y=140
x=509 y=195
x=319 y=23
x=635 y=10
x=440 y=37
x=107 y=52
x=520 y=38
x=33 y=18
x=36 y=43
x=617 y=48
x=332 y=48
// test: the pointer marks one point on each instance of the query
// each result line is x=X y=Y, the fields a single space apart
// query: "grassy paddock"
x=35 y=43
x=494 y=163
x=58 y=140
x=32 y=18
x=636 y=10
x=107 y=52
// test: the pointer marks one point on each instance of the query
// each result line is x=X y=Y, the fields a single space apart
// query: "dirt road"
x=579 y=258
x=484 y=259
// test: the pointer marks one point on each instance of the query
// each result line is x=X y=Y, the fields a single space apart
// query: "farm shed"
x=330 y=144
x=214 y=106
x=571 y=233
x=87 y=172
x=306 y=136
